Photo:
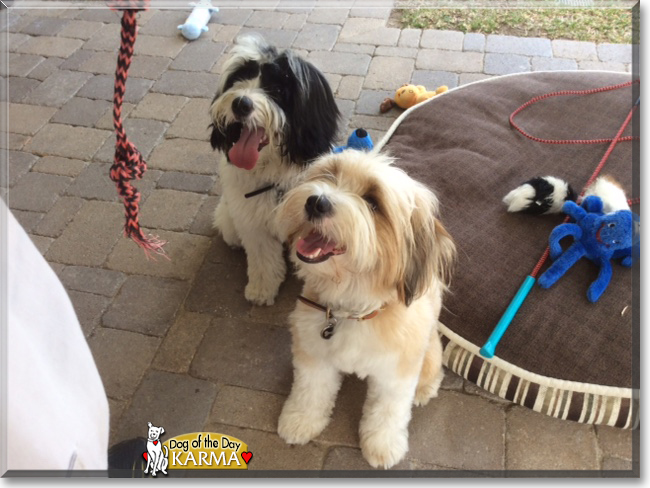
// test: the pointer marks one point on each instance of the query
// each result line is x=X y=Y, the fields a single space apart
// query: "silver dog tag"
x=328 y=330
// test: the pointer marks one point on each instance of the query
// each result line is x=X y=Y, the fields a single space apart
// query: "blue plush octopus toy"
x=599 y=237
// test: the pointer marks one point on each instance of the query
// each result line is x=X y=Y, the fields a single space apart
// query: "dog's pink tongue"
x=314 y=241
x=245 y=152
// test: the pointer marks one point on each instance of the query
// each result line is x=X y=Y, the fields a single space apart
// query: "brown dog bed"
x=562 y=355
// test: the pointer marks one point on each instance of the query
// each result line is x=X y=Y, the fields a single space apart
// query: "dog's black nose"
x=318 y=206
x=242 y=106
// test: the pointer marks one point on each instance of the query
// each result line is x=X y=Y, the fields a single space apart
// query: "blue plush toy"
x=197 y=22
x=359 y=139
x=598 y=236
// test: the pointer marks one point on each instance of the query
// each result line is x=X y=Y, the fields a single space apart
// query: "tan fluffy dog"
x=368 y=243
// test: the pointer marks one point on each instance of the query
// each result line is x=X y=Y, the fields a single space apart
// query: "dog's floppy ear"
x=162 y=431
x=431 y=250
x=149 y=424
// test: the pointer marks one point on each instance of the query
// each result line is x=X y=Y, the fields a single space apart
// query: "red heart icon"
x=246 y=456
x=144 y=455
x=155 y=443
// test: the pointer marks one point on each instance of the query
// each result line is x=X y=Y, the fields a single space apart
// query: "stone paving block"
x=452 y=381
x=102 y=87
x=186 y=253
x=159 y=107
x=102 y=62
x=187 y=84
x=328 y=15
x=173 y=180
x=37 y=192
x=199 y=55
x=295 y=6
x=218 y=66
x=296 y=21
x=536 y=441
x=466 y=78
x=192 y=121
x=80 y=29
x=553 y=64
x=317 y=36
x=350 y=459
x=601 y=66
x=61 y=47
x=372 y=9
x=202 y=224
x=28 y=119
x=41 y=243
x=284 y=304
x=145 y=134
x=397 y=52
x=89 y=309
x=431 y=80
x=504 y=64
x=45 y=26
x=371 y=122
x=170 y=209
x=245 y=354
x=89 y=238
x=181 y=340
x=346 y=107
x=618 y=53
x=68 y=142
x=20 y=64
x=60 y=166
x=184 y=155
x=82 y=111
x=616 y=464
x=15 y=21
x=474 y=41
x=369 y=31
x=178 y=402
x=471 y=389
x=122 y=358
x=577 y=50
x=58 y=217
x=45 y=69
x=442 y=39
x=15 y=40
x=354 y=48
x=146 y=304
x=75 y=61
x=232 y=16
x=106 y=121
x=458 y=431
x=19 y=163
x=107 y=38
x=527 y=46
x=27 y=220
x=19 y=88
x=164 y=23
x=266 y=19
x=369 y=101
x=116 y=409
x=280 y=38
x=57 y=89
x=98 y=281
x=386 y=73
x=106 y=16
x=94 y=183
x=438 y=60
x=349 y=87
x=409 y=38
x=615 y=442
x=270 y=452
x=225 y=33
x=14 y=142
x=340 y=62
x=243 y=407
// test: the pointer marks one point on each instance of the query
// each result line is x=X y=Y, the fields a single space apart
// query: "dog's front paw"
x=384 y=448
x=259 y=295
x=300 y=428
x=426 y=392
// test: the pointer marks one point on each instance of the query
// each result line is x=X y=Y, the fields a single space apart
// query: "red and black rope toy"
x=128 y=163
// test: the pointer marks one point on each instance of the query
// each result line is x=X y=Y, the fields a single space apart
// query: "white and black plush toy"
x=538 y=196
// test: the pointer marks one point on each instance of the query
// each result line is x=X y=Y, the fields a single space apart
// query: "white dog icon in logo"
x=154 y=456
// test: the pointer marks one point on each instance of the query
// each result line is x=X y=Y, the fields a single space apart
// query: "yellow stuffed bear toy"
x=408 y=95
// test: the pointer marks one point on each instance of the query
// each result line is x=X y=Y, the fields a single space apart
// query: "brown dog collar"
x=328 y=330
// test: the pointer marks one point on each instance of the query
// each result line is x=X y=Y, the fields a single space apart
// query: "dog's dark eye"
x=611 y=225
x=371 y=201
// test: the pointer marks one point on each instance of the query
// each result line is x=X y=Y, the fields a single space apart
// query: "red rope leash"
x=618 y=138
x=128 y=163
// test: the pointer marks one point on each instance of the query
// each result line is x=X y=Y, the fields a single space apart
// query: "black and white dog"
x=272 y=115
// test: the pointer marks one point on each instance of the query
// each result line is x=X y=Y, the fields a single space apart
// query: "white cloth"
x=56 y=405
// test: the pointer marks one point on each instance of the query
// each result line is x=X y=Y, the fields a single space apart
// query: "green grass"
x=580 y=24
